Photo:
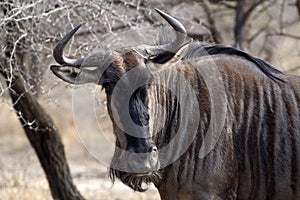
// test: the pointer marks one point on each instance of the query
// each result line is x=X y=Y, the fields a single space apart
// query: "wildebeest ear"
x=169 y=58
x=69 y=75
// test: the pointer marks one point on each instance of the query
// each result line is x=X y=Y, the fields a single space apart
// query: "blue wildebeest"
x=198 y=121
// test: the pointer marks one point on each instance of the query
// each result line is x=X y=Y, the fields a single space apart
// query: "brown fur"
x=256 y=155
x=234 y=169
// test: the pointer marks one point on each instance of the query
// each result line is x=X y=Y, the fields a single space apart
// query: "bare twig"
x=252 y=7
x=12 y=54
x=295 y=37
x=243 y=11
x=291 y=23
x=227 y=5
x=216 y=34
x=264 y=9
x=259 y=32
x=281 y=21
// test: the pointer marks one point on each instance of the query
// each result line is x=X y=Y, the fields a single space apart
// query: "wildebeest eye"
x=107 y=87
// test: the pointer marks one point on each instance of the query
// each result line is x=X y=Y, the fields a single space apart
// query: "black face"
x=127 y=103
x=138 y=107
x=134 y=128
x=137 y=156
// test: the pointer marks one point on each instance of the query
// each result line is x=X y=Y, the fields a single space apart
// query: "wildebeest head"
x=125 y=75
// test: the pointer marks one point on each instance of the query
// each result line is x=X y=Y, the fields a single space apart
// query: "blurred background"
x=47 y=125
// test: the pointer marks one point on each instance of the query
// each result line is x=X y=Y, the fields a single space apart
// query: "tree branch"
x=215 y=33
x=296 y=37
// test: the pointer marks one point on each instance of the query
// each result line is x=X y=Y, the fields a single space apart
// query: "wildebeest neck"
x=178 y=104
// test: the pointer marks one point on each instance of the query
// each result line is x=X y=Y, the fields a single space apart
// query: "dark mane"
x=198 y=50
x=203 y=49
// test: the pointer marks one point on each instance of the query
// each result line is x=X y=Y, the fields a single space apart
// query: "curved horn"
x=150 y=52
x=59 y=48
x=172 y=21
x=181 y=34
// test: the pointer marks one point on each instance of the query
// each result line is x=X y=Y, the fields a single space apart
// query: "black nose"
x=142 y=149
x=143 y=162
x=153 y=149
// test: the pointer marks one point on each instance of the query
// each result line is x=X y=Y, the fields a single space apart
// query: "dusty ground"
x=21 y=176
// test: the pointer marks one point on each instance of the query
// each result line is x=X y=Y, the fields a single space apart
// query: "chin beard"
x=135 y=181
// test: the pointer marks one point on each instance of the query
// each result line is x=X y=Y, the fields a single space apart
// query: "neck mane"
x=200 y=50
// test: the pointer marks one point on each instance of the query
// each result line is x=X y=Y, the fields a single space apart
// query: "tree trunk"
x=37 y=124
x=44 y=138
